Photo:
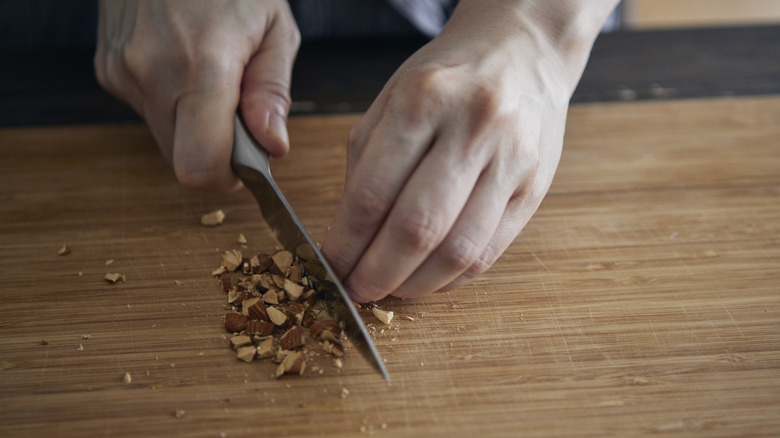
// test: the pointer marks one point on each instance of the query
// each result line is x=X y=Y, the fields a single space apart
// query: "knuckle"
x=460 y=253
x=420 y=230
x=420 y=95
x=367 y=205
x=480 y=265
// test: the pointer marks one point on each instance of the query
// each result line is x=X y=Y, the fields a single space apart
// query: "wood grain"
x=642 y=299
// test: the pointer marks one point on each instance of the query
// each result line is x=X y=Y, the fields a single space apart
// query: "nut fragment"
x=65 y=250
x=239 y=341
x=212 y=219
x=115 y=277
x=282 y=260
x=241 y=238
x=265 y=349
x=293 y=363
x=256 y=310
x=232 y=259
x=261 y=328
x=127 y=378
x=246 y=353
x=292 y=338
x=276 y=316
x=294 y=290
x=271 y=297
x=235 y=322
x=261 y=263
x=382 y=315
x=333 y=347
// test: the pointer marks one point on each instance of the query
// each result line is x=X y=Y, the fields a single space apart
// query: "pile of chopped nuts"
x=274 y=313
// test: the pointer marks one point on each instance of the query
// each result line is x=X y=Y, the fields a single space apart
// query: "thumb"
x=265 y=90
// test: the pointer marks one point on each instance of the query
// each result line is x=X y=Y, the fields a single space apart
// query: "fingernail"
x=278 y=128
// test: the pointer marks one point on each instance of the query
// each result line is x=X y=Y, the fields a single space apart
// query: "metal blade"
x=250 y=163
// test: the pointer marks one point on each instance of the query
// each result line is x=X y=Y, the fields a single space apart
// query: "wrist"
x=560 y=32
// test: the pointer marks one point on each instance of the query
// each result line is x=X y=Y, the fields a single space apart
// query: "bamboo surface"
x=642 y=299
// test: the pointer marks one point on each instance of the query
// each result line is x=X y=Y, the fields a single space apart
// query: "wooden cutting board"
x=642 y=299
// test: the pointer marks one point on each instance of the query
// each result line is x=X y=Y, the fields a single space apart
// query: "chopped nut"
x=235 y=322
x=65 y=250
x=382 y=315
x=80 y=348
x=239 y=341
x=294 y=290
x=44 y=342
x=256 y=309
x=127 y=378
x=232 y=259
x=261 y=328
x=278 y=281
x=309 y=297
x=179 y=413
x=261 y=263
x=109 y=262
x=293 y=363
x=333 y=347
x=338 y=363
x=325 y=328
x=115 y=277
x=271 y=297
x=295 y=312
x=246 y=353
x=212 y=219
x=304 y=251
x=265 y=349
x=344 y=392
x=219 y=271
x=178 y=282
x=292 y=338
x=282 y=260
x=276 y=316
x=241 y=238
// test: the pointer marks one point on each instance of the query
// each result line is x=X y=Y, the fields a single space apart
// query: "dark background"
x=46 y=76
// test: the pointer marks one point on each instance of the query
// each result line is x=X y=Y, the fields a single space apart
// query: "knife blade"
x=250 y=164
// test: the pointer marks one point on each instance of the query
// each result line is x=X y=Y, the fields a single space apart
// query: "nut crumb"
x=65 y=250
x=179 y=413
x=344 y=392
x=115 y=277
x=80 y=348
x=109 y=262
x=382 y=315
x=44 y=342
x=178 y=282
x=241 y=239
x=86 y=336
x=127 y=378
x=212 y=219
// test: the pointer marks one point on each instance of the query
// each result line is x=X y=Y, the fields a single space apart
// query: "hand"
x=186 y=66
x=455 y=155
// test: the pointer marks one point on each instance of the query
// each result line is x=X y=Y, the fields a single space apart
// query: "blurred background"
x=651 y=49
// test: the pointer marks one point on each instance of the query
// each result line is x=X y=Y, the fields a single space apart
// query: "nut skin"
x=258 y=311
x=260 y=328
x=292 y=338
x=235 y=322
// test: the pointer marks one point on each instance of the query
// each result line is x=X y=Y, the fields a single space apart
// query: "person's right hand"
x=187 y=66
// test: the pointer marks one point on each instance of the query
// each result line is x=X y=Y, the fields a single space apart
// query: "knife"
x=250 y=164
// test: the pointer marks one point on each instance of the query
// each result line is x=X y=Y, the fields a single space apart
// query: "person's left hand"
x=451 y=160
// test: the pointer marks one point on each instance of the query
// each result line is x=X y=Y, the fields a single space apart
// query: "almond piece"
x=235 y=322
x=115 y=277
x=292 y=338
x=293 y=289
x=282 y=260
x=293 y=363
x=246 y=353
x=261 y=262
x=295 y=312
x=270 y=297
x=333 y=347
x=127 y=378
x=304 y=251
x=256 y=310
x=266 y=349
x=212 y=219
x=294 y=273
x=229 y=282
x=239 y=341
x=65 y=250
x=261 y=328
x=232 y=259
x=241 y=238
x=382 y=315
x=309 y=297
x=326 y=325
x=276 y=316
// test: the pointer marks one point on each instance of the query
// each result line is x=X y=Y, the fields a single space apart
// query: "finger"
x=203 y=136
x=518 y=212
x=423 y=215
x=265 y=94
x=467 y=239
x=371 y=190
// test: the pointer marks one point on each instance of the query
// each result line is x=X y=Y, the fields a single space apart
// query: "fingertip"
x=269 y=129
x=363 y=293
